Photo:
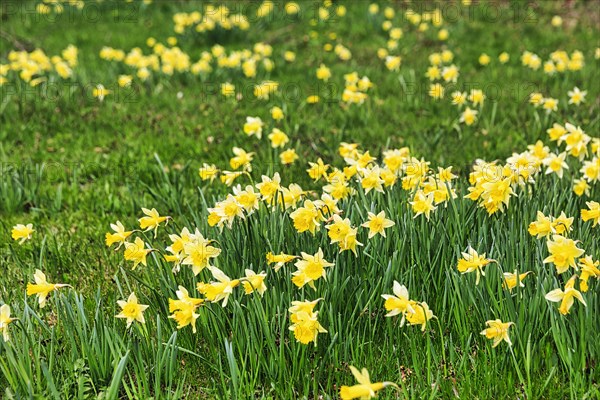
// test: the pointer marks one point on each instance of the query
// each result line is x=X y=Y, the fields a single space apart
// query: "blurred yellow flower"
x=364 y=389
x=22 y=232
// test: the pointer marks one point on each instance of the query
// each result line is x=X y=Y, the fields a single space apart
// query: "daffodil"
x=371 y=179
x=498 y=331
x=125 y=80
x=563 y=253
x=556 y=132
x=208 y=172
x=484 y=59
x=279 y=259
x=541 y=227
x=422 y=204
x=510 y=280
x=152 y=220
x=556 y=164
x=589 y=269
x=566 y=297
x=581 y=187
x=253 y=127
x=317 y=170
x=364 y=389
x=436 y=91
x=247 y=198
x=550 y=104
x=323 y=73
x=562 y=224
x=199 y=252
x=22 y=232
x=228 y=89
x=399 y=303
x=219 y=290
x=42 y=287
x=592 y=213
x=183 y=309
x=299 y=306
x=459 y=99
x=132 y=310
x=310 y=269
x=471 y=261
x=242 y=159
x=421 y=314
x=5 y=320
x=136 y=252
x=304 y=319
x=306 y=218
x=277 y=113
x=377 y=224
x=278 y=138
x=591 y=170
x=269 y=187
x=450 y=73
x=120 y=235
x=338 y=229
x=477 y=97
x=288 y=156
x=254 y=282
x=100 y=92
x=228 y=177
x=576 y=96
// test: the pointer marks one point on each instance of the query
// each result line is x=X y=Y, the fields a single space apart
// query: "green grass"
x=71 y=165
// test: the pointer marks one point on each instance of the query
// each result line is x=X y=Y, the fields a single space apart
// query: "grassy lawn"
x=72 y=164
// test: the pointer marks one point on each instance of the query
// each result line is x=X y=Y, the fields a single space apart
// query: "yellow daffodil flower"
x=22 y=232
x=120 y=235
x=563 y=253
x=132 y=310
x=5 y=320
x=498 y=331
x=566 y=297
x=42 y=287
x=364 y=389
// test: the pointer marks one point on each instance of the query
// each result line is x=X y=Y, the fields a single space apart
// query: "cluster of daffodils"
x=169 y=59
x=421 y=22
x=57 y=6
x=493 y=184
x=326 y=11
x=355 y=90
x=566 y=255
x=471 y=261
x=36 y=67
x=429 y=189
x=212 y=18
x=187 y=249
x=559 y=61
x=442 y=71
x=580 y=147
x=550 y=104
x=196 y=252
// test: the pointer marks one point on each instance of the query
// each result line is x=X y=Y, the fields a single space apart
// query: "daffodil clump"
x=36 y=67
x=277 y=247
